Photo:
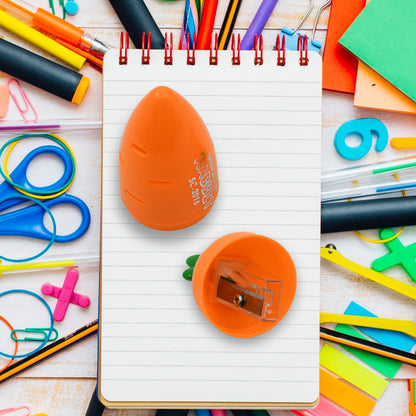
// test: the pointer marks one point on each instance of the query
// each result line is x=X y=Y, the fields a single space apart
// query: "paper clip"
x=43 y=331
x=61 y=3
x=14 y=409
x=26 y=104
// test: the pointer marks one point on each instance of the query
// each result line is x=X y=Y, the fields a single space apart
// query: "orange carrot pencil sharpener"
x=167 y=165
x=243 y=283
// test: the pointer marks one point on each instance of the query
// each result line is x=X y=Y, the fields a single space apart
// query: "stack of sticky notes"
x=354 y=379
x=381 y=37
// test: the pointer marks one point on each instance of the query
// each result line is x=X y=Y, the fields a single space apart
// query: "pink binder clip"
x=65 y=295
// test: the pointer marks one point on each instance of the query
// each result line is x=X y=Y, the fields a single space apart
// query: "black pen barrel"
x=368 y=214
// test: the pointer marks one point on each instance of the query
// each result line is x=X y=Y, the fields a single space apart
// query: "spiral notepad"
x=156 y=349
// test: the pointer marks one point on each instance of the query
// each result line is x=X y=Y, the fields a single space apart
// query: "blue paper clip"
x=292 y=37
x=43 y=331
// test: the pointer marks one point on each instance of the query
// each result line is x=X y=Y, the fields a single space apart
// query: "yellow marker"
x=40 y=40
x=407 y=327
x=403 y=142
x=334 y=256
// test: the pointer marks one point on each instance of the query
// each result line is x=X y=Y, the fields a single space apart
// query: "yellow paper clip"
x=330 y=253
x=407 y=327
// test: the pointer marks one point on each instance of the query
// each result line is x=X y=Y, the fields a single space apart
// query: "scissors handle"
x=19 y=175
x=28 y=222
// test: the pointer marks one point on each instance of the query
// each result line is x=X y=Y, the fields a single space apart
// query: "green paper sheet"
x=383 y=37
x=383 y=365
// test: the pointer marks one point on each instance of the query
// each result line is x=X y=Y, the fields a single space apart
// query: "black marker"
x=136 y=19
x=368 y=214
x=42 y=73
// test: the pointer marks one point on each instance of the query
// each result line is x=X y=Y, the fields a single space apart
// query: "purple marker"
x=258 y=23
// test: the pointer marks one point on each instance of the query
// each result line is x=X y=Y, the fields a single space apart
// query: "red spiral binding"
x=258 y=53
x=303 y=50
x=236 y=56
x=124 y=45
x=281 y=51
x=190 y=56
x=213 y=58
x=168 y=50
x=213 y=50
x=146 y=51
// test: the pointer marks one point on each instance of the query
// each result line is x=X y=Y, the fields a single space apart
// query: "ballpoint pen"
x=54 y=26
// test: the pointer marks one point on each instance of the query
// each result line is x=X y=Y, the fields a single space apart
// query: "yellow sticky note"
x=351 y=371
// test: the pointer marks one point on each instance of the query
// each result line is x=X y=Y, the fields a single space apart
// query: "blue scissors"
x=29 y=221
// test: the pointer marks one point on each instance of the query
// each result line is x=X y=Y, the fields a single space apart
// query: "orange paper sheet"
x=373 y=91
x=339 y=66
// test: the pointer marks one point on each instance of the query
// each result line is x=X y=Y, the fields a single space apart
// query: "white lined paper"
x=155 y=345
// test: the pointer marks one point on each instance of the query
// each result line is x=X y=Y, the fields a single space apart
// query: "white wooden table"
x=63 y=384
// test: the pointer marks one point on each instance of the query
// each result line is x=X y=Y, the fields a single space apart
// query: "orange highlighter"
x=54 y=26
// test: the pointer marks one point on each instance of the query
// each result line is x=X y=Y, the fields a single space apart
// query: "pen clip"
x=330 y=253
x=14 y=409
x=43 y=331
x=26 y=103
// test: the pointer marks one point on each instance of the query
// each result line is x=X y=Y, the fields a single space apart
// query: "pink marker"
x=65 y=295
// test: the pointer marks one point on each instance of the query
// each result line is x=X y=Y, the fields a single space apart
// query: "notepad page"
x=156 y=348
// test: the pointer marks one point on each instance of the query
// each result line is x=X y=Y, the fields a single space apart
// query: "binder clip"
x=243 y=283
x=292 y=36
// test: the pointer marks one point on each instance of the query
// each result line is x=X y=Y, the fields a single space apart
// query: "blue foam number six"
x=364 y=127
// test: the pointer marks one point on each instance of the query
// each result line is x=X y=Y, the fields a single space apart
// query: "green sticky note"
x=351 y=371
x=383 y=37
x=383 y=365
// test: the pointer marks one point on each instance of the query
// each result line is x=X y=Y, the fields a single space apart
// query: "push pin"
x=71 y=7
x=65 y=295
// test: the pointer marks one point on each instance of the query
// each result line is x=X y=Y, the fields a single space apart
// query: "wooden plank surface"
x=63 y=384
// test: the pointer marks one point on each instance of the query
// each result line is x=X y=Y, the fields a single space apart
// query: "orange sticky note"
x=373 y=91
x=4 y=100
x=339 y=66
x=344 y=394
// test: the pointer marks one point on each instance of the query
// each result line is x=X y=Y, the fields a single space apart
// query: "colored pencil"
x=207 y=24
x=256 y=26
x=366 y=345
x=190 y=26
x=49 y=350
x=228 y=23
